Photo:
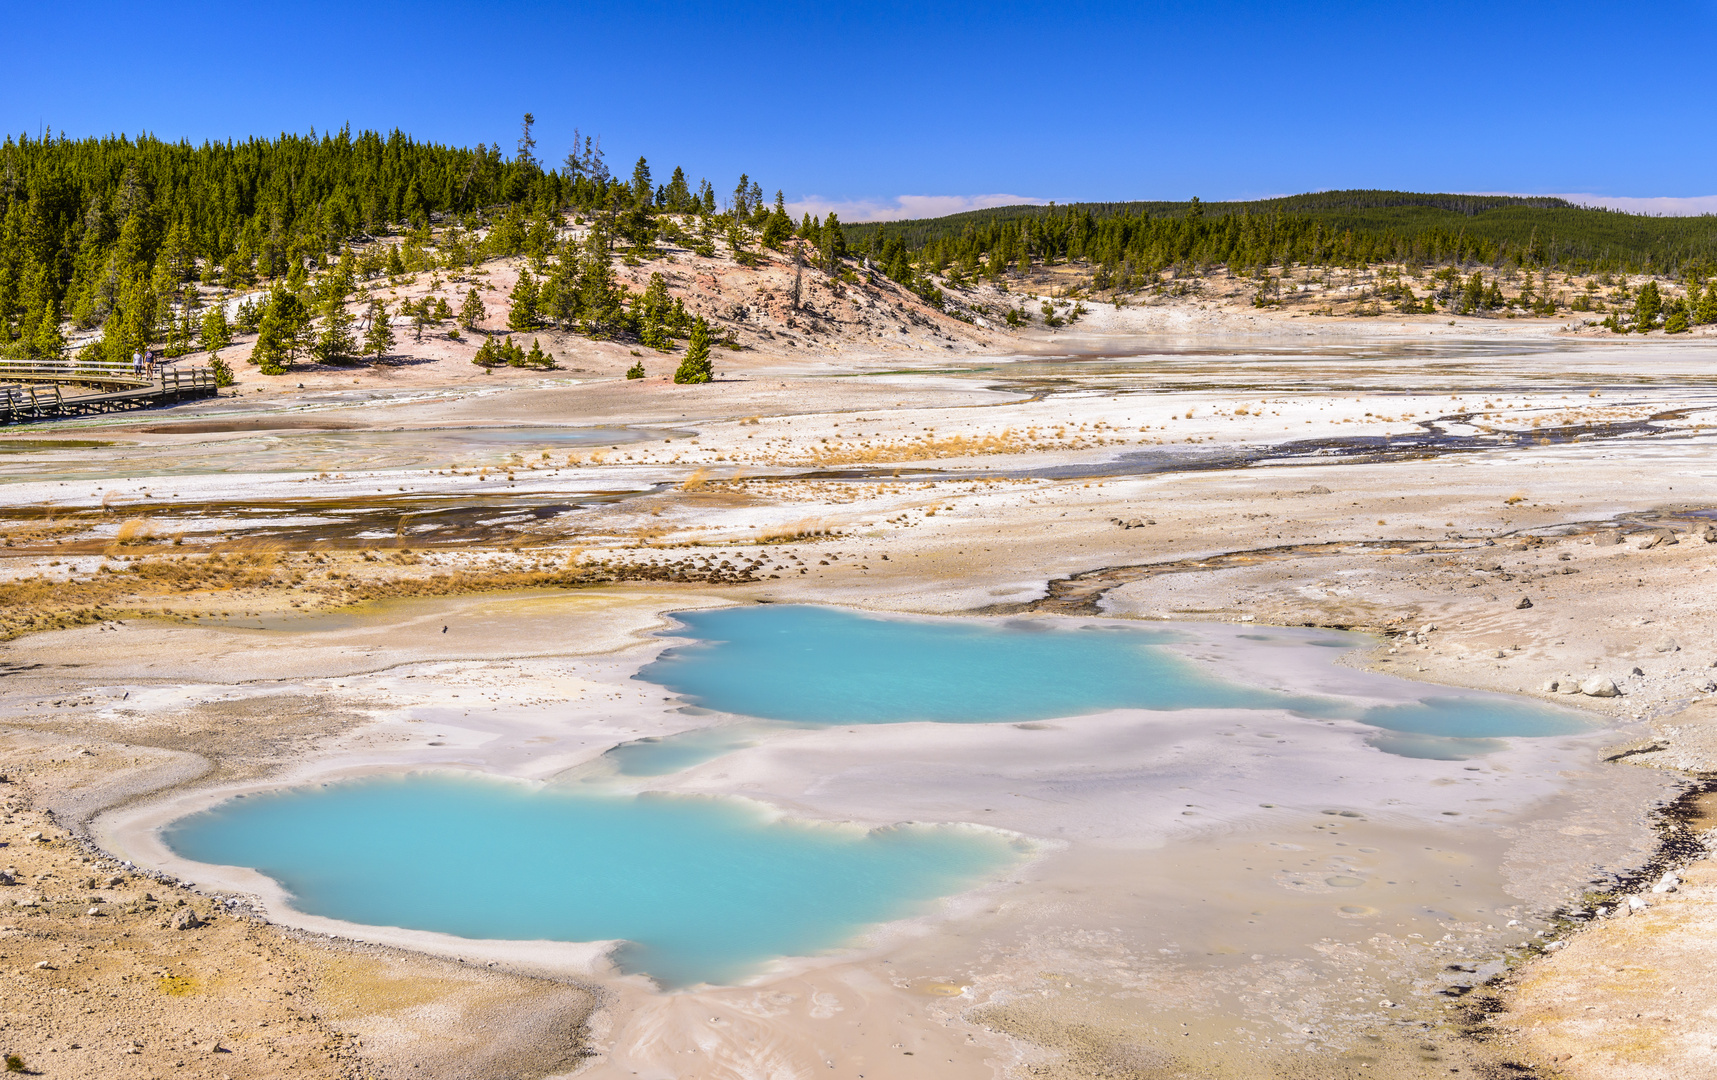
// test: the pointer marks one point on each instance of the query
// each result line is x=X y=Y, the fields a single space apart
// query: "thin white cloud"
x=1663 y=205
x=904 y=207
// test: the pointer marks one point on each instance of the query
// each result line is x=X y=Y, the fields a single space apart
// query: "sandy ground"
x=184 y=615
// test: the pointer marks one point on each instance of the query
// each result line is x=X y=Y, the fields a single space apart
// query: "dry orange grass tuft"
x=697 y=481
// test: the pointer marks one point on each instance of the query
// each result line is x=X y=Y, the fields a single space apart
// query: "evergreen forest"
x=1335 y=228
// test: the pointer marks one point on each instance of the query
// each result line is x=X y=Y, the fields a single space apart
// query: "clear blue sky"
x=871 y=102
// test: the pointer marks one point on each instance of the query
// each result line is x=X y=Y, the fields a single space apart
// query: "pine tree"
x=736 y=241
x=336 y=342
x=395 y=265
x=471 y=312
x=834 y=243
x=50 y=343
x=245 y=316
x=296 y=317
x=679 y=195
x=598 y=300
x=695 y=366
x=442 y=311
x=779 y=227
x=523 y=313
x=488 y=355
x=1647 y=305
x=636 y=371
x=378 y=339
x=538 y=359
x=273 y=351
x=179 y=340
x=655 y=314
x=216 y=334
x=527 y=143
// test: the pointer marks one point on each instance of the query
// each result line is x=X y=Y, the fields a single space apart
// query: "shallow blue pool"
x=817 y=665
x=703 y=890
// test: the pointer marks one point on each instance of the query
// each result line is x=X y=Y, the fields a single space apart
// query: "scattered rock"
x=1522 y=603
x=1599 y=686
x=1317 y=489
x=1668 y=883
x=1638 y=903
x=1668 y=644
x=1551 y=685
x=1607 y=538
x=1656 y=538
x=1709 y=534
x=93 y=911
x=7 y=877
x=184 y=919
x=43 y=965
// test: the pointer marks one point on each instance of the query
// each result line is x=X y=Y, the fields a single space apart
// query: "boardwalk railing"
x=30 y=400
x=70 y=370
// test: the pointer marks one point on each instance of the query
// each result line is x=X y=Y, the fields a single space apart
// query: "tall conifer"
x=695 y=365
x=471 y=312
x=378 y=339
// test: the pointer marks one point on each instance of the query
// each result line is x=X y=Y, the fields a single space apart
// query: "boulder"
x=1607 y=538
x=1668 y=644
x=1599 y=686
x=1655 y=538
x=1522 y=604
x=184 y=919
x=1709 y=534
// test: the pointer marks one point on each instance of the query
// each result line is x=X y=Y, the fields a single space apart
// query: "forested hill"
x=1348 y=227
x=86 y=223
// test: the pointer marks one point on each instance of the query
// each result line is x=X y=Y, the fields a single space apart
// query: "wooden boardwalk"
x=30 y=392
